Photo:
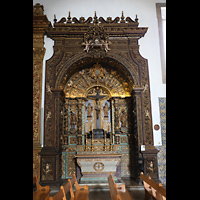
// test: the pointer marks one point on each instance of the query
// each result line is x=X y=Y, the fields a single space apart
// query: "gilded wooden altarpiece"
x=40 y=22
x=97 y=57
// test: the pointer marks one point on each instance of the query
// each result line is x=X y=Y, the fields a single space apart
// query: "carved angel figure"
x=87 y=46
x=105 y=46
x=49 y=88
x=48 y=115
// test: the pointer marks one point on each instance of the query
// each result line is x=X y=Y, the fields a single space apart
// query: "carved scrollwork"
x=81 y=20
x=109 y=20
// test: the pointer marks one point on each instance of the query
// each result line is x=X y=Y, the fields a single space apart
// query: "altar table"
x=98 y=166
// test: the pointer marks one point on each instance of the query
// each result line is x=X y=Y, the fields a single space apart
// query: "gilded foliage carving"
x=81 y=82
x=36 y=163
x=70 y=164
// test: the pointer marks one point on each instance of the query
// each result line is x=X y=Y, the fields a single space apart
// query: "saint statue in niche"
x=123 y=118
x=106 y=108
x=89 y=109
x=73 y=121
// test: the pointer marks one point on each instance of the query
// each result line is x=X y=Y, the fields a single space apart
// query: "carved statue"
x=73 y=120
x=106 y=108
x=123 y=118
x=47 y=172
x=150 y=166
x=89 y=110
x=87 y=46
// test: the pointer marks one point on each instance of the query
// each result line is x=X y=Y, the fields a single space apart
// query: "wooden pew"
x=118 y=192
x=152 y=188
x=42 y=192
x=66 y=188
x=81 y=192
x=59 y=195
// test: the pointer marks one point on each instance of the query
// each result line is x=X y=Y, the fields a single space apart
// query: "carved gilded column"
x=80 y=120
x=116 y=107
x=40 y=22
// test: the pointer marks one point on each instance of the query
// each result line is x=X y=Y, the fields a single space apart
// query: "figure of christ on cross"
x=97 y=98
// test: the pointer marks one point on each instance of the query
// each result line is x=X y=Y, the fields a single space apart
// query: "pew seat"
x=152 y=189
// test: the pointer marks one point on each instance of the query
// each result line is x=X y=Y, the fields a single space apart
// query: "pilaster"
x=40 y=21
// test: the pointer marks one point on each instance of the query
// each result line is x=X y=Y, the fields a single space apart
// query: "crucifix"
x=97 y=98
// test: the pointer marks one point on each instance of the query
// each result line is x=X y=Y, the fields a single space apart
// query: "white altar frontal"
x=96 y=167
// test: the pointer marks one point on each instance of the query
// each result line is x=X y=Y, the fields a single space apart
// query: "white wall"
x=149 y=45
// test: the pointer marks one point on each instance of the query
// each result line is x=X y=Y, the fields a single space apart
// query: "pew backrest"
x=113 y=188
x=118 y=192
x=42 y=192
x=81 y=192
x=78 y=187
x=38 y=186
x=71 y=190
x=58 y=196
x=153 y=188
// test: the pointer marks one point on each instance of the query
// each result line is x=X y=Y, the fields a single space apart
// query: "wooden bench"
x=59 y=195
x=118 y=192
x=153 y=189
x=81 y=192
x=42 y=192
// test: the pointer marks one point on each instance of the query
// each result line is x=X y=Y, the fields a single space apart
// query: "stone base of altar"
x=93 y=168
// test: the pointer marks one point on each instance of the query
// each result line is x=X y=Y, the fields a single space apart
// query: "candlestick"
x=104 y=141
x=111 y=142
x=86 y=142
x=92 y=141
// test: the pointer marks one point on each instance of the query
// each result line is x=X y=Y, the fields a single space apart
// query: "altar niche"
x=96 y=115
x=100 y=85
